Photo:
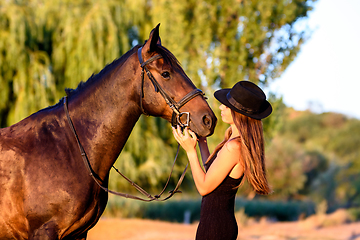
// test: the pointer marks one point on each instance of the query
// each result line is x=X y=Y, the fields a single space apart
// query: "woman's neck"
x=234 y=131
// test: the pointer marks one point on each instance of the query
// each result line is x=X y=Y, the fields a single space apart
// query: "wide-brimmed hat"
x=246 y=98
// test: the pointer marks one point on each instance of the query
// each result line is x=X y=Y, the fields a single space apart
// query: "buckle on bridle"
x=175 y=106
x=187 y=119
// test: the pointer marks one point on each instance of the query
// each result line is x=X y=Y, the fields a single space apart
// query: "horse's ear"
x=154 y=39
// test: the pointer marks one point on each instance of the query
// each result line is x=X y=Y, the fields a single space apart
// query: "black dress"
x=217 y=219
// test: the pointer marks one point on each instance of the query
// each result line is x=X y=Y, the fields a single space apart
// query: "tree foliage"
x=46 y=46
x=329 y=157
x=225 y=41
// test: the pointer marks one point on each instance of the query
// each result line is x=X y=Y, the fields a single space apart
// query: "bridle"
x=175 y=106
x=176 y=120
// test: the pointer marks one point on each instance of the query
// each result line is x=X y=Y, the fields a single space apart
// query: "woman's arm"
x=225 y=161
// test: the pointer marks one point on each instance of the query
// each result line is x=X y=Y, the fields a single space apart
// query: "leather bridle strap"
x=96 y=178
x=175 y=107
x=175 y=119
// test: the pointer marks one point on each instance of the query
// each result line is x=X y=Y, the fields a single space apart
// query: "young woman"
x=240 y=155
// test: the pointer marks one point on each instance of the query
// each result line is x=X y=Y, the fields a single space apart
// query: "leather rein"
x=175 y=107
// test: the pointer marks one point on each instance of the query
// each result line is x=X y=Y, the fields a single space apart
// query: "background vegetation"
x=175 y=210
x=46 y=46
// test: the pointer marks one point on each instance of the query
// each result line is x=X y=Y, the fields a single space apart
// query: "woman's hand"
x=187 y=140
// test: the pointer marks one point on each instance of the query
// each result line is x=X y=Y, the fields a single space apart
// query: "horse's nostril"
x=207 y=121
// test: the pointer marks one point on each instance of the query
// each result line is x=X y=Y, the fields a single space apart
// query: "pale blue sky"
x=325 y=76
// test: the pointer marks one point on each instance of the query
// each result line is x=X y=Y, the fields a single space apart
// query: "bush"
x=174 y=210
x=354 y=213
x=279 y=210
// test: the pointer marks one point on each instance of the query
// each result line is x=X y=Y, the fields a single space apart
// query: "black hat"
x=246 y=98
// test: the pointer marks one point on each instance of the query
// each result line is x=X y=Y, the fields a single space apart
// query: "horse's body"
x=45 y=189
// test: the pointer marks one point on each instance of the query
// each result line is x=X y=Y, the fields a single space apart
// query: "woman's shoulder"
x=230 y=152
x=233 y=145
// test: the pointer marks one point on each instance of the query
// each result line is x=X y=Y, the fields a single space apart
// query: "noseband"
x=175 y=106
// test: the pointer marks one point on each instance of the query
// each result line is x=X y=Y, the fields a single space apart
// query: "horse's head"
x=168 y=92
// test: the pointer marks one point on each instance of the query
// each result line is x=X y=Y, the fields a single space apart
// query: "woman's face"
x=226 y=114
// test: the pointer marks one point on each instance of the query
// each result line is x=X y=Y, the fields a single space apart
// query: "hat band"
x=236 y=104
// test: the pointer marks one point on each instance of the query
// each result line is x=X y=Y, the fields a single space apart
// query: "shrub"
x=279 y=210
x=174 y=210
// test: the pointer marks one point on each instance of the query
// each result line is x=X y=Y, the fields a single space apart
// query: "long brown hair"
x=251 y=139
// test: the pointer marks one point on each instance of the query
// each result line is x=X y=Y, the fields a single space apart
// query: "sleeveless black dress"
x=217 y=219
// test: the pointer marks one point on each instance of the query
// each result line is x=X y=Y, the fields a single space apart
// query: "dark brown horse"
x=46 y=191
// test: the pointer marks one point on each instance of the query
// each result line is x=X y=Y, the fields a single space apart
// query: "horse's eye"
x=165 y=75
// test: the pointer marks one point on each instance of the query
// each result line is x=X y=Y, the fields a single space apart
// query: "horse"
x=46 y=191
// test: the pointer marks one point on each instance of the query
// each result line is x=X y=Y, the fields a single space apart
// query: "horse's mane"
x=168 y=57
x=106 y=69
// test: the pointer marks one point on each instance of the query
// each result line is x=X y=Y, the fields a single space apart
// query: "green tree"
x=27 y=83
x=225 y=41
x=46 y=46
x=345 y=144
x=284 y=163
x=330 y=156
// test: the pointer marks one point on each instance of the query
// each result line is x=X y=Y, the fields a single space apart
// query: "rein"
x=97 y=179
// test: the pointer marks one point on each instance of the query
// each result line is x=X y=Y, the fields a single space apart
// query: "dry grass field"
x=139 y=229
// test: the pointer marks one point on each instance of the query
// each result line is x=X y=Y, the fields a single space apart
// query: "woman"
x=239 y=155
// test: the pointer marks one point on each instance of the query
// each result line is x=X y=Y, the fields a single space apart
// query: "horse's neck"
x=104 y=115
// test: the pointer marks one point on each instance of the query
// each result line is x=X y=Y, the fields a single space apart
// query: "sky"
x=325 y=76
